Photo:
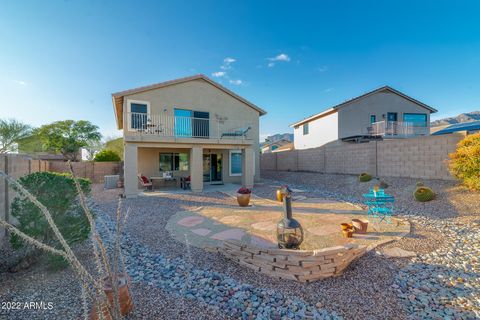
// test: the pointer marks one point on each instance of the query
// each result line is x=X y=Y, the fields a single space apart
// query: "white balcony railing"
x=397 y=129
x=186 y=127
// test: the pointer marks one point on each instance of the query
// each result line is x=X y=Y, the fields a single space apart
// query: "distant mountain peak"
x=461 y=118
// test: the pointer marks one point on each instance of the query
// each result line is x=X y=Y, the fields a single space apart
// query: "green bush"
x=419 y=184
x=106 y=155
x=364 y=177
x=57 y=192
x=424 y=194
x=465 y=161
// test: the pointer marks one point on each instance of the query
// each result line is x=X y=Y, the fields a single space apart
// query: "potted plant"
x=243 y=196
x=348 y=233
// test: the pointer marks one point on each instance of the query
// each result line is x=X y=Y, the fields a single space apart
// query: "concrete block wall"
x=95 y=171
x=423 y=157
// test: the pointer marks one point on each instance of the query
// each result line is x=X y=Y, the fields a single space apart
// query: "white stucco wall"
x=321 y=131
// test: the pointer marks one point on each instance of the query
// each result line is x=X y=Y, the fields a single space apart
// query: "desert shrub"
x=423 y=194
x=465 y=161
x=364 y=177
x=106 y=155
x=419 y=184
x=57 y=192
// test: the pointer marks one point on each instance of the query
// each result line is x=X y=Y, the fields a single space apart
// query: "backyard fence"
x=423 y=157
x=17 y=166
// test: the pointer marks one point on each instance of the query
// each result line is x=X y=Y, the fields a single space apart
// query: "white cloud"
x=227 y=63
x=20 y=82
x=219 y=74
x=328 y=90
x=236 y=82
x=322 y=69
x=281 y=57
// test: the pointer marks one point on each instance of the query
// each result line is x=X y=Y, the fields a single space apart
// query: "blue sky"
x=63 y=59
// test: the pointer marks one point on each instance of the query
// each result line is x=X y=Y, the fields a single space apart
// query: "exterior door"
x=206 y=168
x=392 y=116
x=216 y=167
x=201 y=124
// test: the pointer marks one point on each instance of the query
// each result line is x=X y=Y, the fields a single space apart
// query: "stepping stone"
x=396 y=252
x=230 y=219
x=229 y=234
x=201 y=231
x=190 y=221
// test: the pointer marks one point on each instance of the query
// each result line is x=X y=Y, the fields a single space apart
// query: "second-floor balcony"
x=165 y=126
x=397 y=129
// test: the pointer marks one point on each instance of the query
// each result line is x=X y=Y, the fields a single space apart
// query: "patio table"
x=165 y=180
x=380 y=205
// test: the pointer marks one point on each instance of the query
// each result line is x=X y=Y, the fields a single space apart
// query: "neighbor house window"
x=417 y=119
x=173 y=162
x=305 y=129
x=274 y=148
x=138 y=113
x=235 y=163
x=373 y=118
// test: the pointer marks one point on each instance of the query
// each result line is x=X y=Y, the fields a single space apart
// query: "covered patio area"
x=184 y=167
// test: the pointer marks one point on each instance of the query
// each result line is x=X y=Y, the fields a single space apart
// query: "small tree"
x=465 y=161
x=68 y=136
x=59 y=194
x=106 y=155
x=115 y=145
x=11 y=132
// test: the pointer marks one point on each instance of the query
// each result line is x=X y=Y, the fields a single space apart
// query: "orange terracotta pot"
x=243 y=199
x=347 y=233
x=360 y=226
x=279 y=195
x=124 y=298
x=346 y=226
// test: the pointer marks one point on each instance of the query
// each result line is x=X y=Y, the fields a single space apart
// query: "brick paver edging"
x=298 y=265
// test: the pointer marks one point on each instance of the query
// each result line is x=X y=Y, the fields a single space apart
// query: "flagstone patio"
x=209 y=226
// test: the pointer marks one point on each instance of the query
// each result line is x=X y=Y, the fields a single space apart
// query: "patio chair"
x=185 y=183
x=242 y=132
x=145 y=182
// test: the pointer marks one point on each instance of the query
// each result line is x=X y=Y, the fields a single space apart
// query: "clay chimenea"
x=289 y=230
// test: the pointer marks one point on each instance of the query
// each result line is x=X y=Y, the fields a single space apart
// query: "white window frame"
x=129 y=108
x=230 y=163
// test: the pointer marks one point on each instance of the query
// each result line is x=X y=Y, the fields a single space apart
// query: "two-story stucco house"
x=380 y=114
x=190 y=127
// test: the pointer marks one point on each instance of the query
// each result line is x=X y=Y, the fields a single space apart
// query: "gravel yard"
x=444 y=235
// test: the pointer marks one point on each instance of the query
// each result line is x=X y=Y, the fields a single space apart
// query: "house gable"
x=201 y=85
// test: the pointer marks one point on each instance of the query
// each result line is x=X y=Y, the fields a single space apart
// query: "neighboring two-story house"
x=190 y=127
x=383 y=113
x=268 y=147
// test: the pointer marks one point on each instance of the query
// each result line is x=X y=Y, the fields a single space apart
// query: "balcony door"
x=189 y=123
x=201 y=124
x=183 y=123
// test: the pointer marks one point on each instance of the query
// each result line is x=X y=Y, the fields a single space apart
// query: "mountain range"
x=461 y=118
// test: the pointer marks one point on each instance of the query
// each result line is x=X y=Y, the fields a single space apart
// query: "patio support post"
x=131 y=170
x=196 y=169
x=248 y=171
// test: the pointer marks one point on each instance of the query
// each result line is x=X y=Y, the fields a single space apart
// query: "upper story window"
x=417 y=119
x=305 y=129
x=138 y=114
x=274 y=148
x=373 y=118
